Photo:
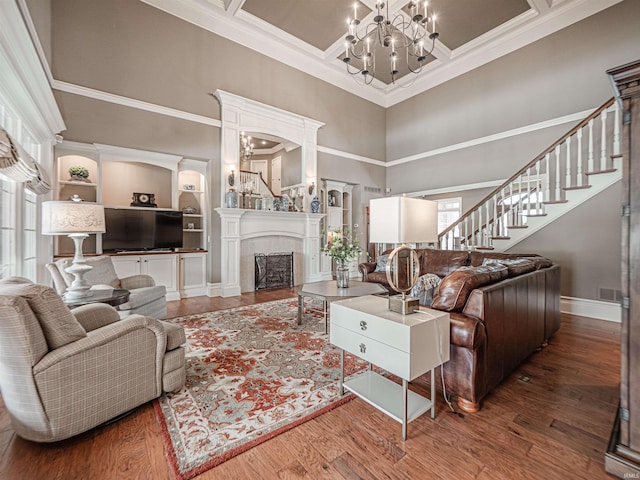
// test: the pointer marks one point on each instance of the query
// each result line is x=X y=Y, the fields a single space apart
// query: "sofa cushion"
x=424 y=288
x=441 y=262
x=476 y=258
x=452 y=293
x=381 y=263
x=58 y=324
x=515 y=266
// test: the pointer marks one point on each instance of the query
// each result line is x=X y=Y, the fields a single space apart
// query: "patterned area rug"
x=252 y=373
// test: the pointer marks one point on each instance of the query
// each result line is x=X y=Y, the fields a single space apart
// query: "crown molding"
x=132 y=103
x=24 y=82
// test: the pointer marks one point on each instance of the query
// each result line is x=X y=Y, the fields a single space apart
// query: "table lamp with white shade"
x=76 y=219
x=402 y=220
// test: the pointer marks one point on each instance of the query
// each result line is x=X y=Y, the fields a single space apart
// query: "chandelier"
x=401 y=39
x=246 y=147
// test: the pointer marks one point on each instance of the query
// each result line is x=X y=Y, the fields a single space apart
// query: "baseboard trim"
x=214 y=290
x=591 y=308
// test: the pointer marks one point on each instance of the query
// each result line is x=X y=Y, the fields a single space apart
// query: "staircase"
x=579 y=165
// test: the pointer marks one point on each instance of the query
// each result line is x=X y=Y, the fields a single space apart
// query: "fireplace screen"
x=273 y=270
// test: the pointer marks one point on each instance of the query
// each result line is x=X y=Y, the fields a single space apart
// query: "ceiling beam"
x=234 y=6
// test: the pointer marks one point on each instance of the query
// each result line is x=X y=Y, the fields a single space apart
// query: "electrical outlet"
x=355 y=225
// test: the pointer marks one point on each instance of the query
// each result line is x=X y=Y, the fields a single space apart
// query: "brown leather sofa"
x=500 y=313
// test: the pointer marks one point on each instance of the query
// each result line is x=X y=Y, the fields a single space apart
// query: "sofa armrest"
x=137 y=281
x=467 y=332
x=95 y=315
x=366 y=268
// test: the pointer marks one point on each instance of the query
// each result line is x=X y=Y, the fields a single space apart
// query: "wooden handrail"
x=561 y=140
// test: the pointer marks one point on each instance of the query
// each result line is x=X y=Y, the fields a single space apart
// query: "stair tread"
x=617 y=155
x=551 y=202
x=537 y=215
x=582 y=187
x=484 y=248
x=598 y=172
x=517 y=226
x=501 y=238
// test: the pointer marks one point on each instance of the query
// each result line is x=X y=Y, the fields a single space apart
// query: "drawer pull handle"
x=363 y=325
x=363 y=348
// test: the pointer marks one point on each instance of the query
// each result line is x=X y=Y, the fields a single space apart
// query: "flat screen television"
x=129 y=229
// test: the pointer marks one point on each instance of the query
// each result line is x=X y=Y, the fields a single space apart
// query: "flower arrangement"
x=342 y=247
x=79 y=172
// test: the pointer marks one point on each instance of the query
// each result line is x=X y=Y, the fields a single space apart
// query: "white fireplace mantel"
x=239 y=224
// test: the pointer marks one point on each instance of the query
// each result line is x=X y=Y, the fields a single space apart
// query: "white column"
x=230 y=250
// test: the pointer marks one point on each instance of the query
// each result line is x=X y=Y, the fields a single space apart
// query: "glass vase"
x=342 y=276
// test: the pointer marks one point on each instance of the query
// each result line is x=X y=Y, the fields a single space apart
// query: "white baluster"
x=528 y=188
x=557 y=173
x=538 y=188
x=514 y=220
x=590 y=161
x=547 y=189
x=495 y=232
x=567 y=177
x=487 y=230
x=579 y=174
x=616 y=129
x=481 y=238
x=473 y=228
x=465 y=235
x=603 y=141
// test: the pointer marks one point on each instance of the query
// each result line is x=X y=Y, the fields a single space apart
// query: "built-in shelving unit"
x=337 y=203
x=115 y=174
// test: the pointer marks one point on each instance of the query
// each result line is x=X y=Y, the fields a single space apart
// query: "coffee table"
x=114 y=297
x=328 y=291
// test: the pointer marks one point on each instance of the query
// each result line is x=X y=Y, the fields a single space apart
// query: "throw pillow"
x=424 y=288
x=56 y=320
x=381 y=263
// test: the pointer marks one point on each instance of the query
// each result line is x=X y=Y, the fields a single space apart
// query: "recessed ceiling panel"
x=317 y=22
x=460 y=21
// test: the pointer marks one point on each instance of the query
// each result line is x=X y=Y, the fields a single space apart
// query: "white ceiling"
x=309 y=34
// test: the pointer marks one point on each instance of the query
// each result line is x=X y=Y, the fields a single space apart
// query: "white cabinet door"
x=164 y=270
x=193 y=273
x=334 y=220
x=126 y=265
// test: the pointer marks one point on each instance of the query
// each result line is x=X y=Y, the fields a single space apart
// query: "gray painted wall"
x=130 y=49
x=134 y=50
x=556 y=76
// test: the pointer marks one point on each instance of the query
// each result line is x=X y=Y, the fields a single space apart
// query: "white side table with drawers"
x=404 y=345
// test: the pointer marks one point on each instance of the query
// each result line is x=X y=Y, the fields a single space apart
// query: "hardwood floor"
x=550 y=419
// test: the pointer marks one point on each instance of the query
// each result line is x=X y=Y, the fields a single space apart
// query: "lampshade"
x=64 y=218
x=403 y=220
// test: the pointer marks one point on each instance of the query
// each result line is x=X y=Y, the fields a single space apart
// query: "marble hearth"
x=246 y=232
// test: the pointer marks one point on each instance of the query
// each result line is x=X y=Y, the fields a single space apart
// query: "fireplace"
x=273 y=270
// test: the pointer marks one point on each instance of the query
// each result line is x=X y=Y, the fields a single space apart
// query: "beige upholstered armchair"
x=64 y=372
x=146 y=298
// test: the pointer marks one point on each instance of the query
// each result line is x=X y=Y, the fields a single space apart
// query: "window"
x=449 y=210
x=18 y=208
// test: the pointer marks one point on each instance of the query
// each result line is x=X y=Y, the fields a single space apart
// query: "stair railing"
x=587 y=149
x=253 y=185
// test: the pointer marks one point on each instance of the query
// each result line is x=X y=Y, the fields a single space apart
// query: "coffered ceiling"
x=309 y=34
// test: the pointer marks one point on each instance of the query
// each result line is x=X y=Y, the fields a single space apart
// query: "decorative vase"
x=284 y=203
x=232 y=199
x=342 y=276
x=315 y=205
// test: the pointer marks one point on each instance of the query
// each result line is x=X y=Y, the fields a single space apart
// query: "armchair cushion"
x=175 y=335
x=58 y=324
x=102 y=273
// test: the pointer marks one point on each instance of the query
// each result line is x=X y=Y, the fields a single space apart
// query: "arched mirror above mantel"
x=293 y=136
x=283 y=155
